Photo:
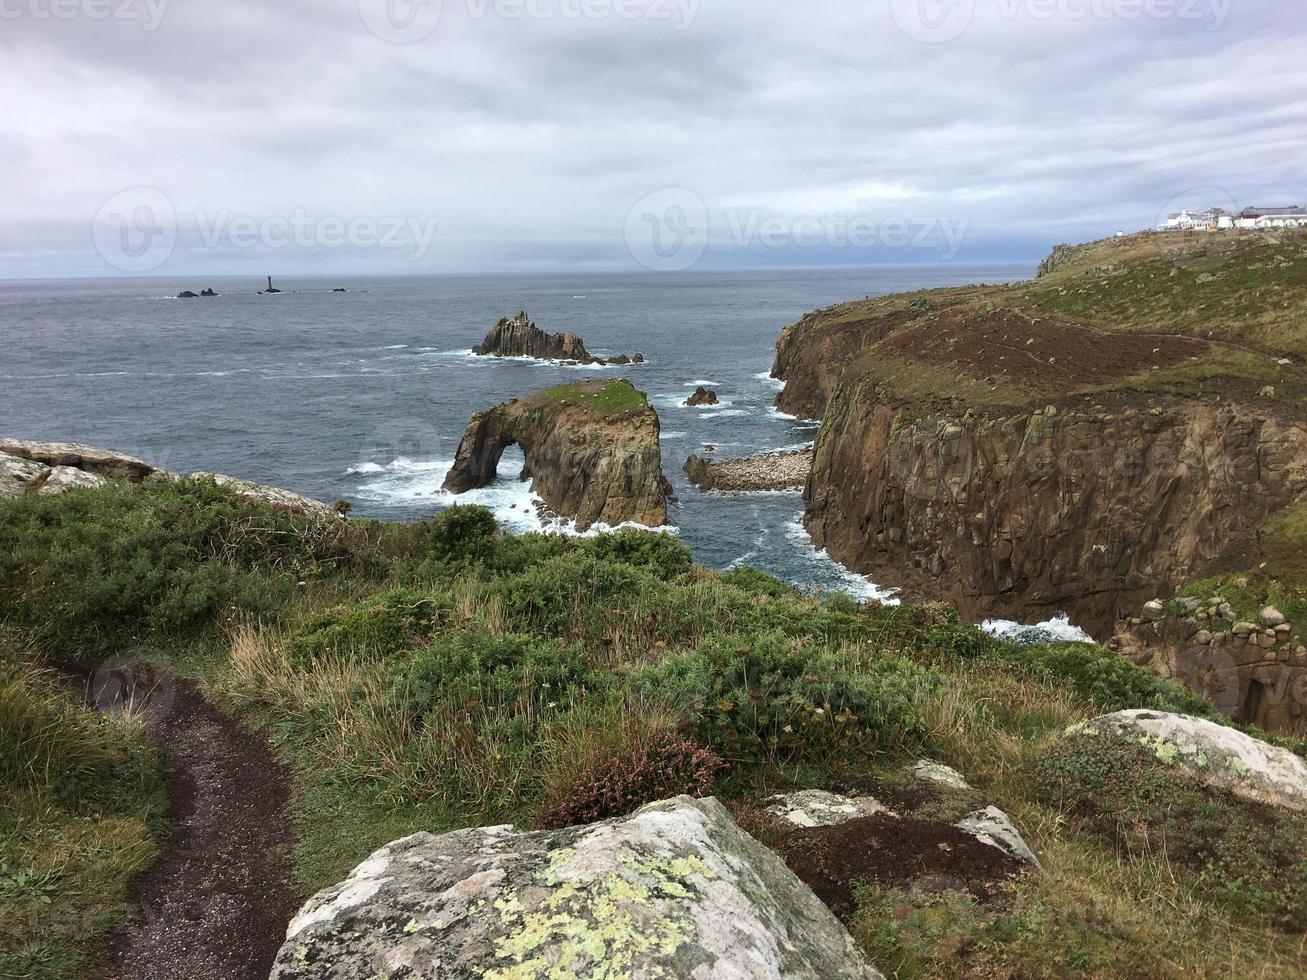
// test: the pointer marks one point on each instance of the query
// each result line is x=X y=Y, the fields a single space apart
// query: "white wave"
x=766 y=378
x=365 y=469
x=674 y=435
x=514 y=502
x=702 y=384
x=859 y=586
x=730 y=413
x=1059 y=629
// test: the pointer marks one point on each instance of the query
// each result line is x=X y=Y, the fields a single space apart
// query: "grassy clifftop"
x=1119 y=320
x=446 y=675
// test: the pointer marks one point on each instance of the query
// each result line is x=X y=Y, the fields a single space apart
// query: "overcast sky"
x=233 y=136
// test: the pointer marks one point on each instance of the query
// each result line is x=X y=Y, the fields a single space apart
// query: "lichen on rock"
x=673 y=891
x=1212 y=754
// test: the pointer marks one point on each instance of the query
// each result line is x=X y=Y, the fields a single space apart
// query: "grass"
x=446 y=675
x=1245 y=292
x=80 y=802
x=603 y=398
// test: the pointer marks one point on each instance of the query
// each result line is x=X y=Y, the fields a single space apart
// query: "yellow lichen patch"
x=608 y=927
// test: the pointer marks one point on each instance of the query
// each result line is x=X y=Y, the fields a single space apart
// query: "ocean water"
x=363 y=395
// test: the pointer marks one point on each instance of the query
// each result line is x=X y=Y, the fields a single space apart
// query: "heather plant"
x=659 y=765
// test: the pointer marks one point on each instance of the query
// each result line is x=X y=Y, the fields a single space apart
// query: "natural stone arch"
x=591 y=448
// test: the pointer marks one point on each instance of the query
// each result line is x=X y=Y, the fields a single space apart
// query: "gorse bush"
x=93 y=571
x=1102 y=677
x=567 y=590
x=659 y=554
x=385 y=624
x=755 y=697
x=464 y=536
x=478 y=672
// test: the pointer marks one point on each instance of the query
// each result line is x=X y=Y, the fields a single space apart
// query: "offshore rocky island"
x=459 y=752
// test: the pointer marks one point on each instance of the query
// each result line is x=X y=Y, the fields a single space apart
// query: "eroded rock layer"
x=592 y=450
x=1028 y=515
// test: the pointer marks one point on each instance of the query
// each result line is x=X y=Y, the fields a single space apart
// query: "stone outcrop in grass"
x=1211 y=754
x=675 y=890
x=50 y=468
x=591 y=449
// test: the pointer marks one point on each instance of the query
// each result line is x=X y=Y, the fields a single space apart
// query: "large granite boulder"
x=592 y=449
x=1211 y=754
x=673 y=891
x=102 y=462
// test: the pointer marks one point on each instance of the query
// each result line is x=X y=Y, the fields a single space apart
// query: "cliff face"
x=592 y=450
x=1027 y=515
x=519 y=337
x=1080 y=442
x=811 y=354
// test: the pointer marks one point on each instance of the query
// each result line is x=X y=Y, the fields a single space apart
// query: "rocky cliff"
x=519 y=337
x=1029 y=514
x=592 y=450
x=1081 y=442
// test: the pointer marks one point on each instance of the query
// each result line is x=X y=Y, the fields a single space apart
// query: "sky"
x=167 y=137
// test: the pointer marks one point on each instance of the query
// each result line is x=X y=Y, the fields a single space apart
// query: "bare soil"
x=1039 y=353
x=216 y=905
x=894 y=851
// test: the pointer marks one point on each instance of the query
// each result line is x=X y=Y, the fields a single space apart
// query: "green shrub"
x=384 y=624
x=1102 y=677
x=463 y=536
x=1250 y=858
x=754 y=582
x=659 y=554
x=93 y=571
x=574 y=591
x=763 y=697
x=501 y=673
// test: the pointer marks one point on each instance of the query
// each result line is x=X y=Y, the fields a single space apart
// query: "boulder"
x=817 y=808
x=18 y=474
x=207 y=292
x=1211 y=754
x=935 y=772
x=283 y=499
x=995 y=828
x=787 y=470
x=1270 y=617
x=701 y=397
x=592 y=450
x=102 y=462
x=187 y=294
x=60 y=479
x=674 y=890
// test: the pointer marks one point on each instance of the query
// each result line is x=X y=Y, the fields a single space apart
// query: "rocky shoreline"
x=777 y=471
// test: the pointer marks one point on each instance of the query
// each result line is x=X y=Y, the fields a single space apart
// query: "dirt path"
x=216 y=905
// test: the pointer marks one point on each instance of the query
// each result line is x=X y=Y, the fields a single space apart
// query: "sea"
x=362 y=395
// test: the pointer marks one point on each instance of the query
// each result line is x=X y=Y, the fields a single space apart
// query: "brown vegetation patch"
x=887 y=850
x=1038 y=353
